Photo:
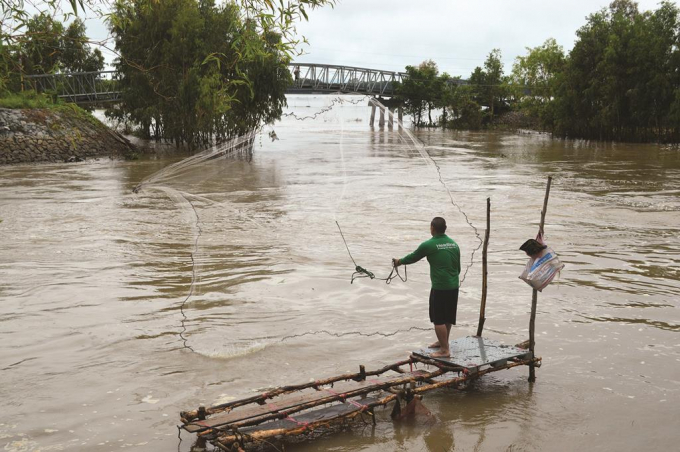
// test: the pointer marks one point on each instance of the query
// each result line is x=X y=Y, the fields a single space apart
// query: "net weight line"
x=336 y=101
x=353 y=333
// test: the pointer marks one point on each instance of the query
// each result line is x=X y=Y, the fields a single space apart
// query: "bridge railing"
x=79 y=87
x=347 y=79
x=103 y=86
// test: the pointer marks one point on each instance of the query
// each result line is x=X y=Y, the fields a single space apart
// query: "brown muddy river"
x=98 y=353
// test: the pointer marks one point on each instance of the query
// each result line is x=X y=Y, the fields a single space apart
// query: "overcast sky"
x=457 y=34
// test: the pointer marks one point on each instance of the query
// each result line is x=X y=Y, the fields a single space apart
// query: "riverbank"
x=64 y=133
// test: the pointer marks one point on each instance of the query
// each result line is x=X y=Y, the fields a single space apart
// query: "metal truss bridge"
x=308 y=78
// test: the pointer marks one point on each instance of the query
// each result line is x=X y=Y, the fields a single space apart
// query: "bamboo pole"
x=482 y=309
x=534 y=295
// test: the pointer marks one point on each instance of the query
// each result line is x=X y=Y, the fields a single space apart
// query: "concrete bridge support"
x=386 y=106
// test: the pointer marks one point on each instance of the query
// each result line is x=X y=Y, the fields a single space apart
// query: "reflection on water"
x=94 y=276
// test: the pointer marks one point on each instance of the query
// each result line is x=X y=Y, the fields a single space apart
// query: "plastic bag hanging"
x=543 y=264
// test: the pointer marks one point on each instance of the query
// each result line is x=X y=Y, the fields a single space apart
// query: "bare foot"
x=441 y=354
x=434 y=345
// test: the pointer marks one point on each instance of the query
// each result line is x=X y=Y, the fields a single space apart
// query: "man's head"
x=438 y=226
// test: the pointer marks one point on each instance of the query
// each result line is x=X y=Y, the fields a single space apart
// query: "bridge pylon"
x=390 y=105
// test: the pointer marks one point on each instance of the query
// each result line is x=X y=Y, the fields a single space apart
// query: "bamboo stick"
x=534 y=294
x=188 y=416
x=485 y=273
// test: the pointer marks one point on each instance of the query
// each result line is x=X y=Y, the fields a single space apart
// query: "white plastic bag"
x=542 y=267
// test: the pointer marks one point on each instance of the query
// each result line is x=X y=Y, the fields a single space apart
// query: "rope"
x=467 y=219
x=361 y=272
x=193 y=276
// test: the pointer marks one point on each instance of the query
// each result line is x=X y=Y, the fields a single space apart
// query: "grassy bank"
x=28 y=99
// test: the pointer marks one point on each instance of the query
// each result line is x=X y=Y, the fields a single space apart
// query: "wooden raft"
x=289 y=411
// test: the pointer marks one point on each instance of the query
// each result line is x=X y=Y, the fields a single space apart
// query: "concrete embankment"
x=64 y=134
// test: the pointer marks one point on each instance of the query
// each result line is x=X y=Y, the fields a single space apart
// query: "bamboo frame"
x=329 y=399
x=229 y=436
x=188 y=416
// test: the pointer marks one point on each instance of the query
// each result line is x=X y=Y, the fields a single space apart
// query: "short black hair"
x=439 y=225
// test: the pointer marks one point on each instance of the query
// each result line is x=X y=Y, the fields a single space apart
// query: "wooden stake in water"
x=482 y=309
x=534 y=295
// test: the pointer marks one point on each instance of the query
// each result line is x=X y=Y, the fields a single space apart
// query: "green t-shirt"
x=443 y=255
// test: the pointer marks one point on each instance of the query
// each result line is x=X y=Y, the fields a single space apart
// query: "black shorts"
x=443 y=306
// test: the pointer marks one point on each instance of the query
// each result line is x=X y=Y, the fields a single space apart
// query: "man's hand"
x=396 y=262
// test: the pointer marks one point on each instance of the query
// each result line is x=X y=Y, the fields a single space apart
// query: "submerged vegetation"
x=621 y=81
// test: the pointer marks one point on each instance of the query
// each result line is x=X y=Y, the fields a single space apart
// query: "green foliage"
x=621 y=81
x=74 y=111
x=490 y=87
x=535 y=80
x=462 y=105
x=622 y=78
x=35 y=45
x=192 y=71
x=420 y=90
x=42 y=49
x=45 y=47
x=27 y=99
x=77 y=55
x=465 y=112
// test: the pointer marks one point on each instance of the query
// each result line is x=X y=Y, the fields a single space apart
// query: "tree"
x=621 y=79
x=466 y=113
x=77 y=55
x=421 y=90
x=42 y=50
x=535 y=77
x=192 y=72
x=490 y=86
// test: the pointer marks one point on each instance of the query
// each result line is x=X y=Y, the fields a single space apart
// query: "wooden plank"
x=278 y=404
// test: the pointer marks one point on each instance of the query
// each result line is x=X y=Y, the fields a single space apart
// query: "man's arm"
x=415 y=256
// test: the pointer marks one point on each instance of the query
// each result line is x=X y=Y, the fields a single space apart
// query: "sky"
x=456 y=34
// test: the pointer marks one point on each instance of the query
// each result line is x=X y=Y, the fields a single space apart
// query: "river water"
x=98 y=351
